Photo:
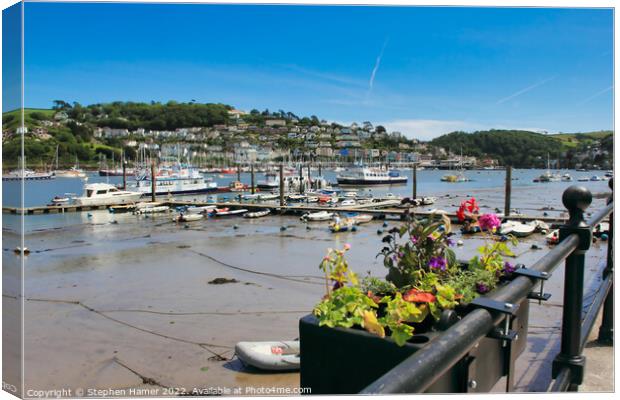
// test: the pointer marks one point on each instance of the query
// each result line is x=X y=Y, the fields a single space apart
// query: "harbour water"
x=116 y=298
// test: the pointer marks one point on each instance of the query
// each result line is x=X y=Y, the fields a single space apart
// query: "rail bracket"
x=498 y=333
x=540 y=275
x=495 y=306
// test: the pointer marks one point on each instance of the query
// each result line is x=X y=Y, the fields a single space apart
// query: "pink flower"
x=489 y=222
x=347 y=246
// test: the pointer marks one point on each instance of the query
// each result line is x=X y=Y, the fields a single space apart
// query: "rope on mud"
x=285 y=277
x=205 y=346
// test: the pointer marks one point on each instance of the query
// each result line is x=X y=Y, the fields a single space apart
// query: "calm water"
x=41 y=192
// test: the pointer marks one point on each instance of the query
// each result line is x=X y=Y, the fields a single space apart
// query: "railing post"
x=508 y=190
x=415 y=181
x=576 y=199
x=606 y=330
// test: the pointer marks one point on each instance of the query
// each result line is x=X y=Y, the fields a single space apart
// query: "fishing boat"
x=370 y=176
x=96 y=194
x=256 y=214
x=317 y=216
x=270 y=356
x=176 y=179
x=236 y=186
x=187 y=217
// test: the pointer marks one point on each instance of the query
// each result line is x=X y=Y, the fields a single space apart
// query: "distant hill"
x=517 y=148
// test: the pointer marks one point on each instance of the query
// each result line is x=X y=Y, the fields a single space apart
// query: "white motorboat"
x=256 y=214
x=268 y=196
x=317 y=216
x=583 y=179
x=370 y=176
x=296 y=197
x=58 y=200
x=271 y=356
x=96 y=194
x=27 y=175
x=567 y=178
x=348 y=202
x=595 y=178
x=350 y=194
x=174 y=180
x=73 y=172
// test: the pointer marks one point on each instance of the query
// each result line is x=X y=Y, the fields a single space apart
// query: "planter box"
x=345 y=361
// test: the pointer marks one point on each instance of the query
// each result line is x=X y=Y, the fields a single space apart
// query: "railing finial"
x=576 y=199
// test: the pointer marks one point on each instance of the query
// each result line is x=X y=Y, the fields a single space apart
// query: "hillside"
x=521 y=149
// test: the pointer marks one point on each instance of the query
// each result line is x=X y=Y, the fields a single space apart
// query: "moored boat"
x=256 y=214
x=317 y=216
x=96 y=194
x=271 y=356
x=370 y=176
x=187 y=217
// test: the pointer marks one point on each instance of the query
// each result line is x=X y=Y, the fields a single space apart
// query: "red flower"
x=417 y=296
x=468 y=205
x=373 y=297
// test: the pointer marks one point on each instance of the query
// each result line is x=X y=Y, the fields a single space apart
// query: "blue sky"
x=423 y=71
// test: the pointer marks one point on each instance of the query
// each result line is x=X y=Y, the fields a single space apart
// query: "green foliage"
x=377 y=286
x=345 y=307
x=398 y=314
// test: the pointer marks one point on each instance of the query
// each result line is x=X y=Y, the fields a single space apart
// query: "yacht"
x=459 y=176
x=548 y=176
x=26 y=174
x=97 y=194
x=73 y=172
x=174 y=180
x=370 y=176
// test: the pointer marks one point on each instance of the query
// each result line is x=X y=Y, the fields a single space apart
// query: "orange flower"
x=417 y=296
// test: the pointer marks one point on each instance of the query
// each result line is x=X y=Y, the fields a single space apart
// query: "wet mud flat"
x=123 y=302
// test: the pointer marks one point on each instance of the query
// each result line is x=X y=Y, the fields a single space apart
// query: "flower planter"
x=345 y=361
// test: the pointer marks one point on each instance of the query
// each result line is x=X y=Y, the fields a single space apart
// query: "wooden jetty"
x=380 y=209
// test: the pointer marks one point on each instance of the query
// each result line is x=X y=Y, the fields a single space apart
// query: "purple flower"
x=489 y=222
x=401 y=254
x=450 y=242
x=414 y=239
x=508 y=268
x=481 y=288
x=437 y=263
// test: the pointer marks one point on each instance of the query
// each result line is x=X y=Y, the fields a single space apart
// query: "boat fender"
x=385 y=224
x=379 y=231
x=354 y=229
x=604 y=237
x=236 y=227
x=89 y=215
x=283 y=228
x=186 y=226
x=308 y=227
x=535 y=247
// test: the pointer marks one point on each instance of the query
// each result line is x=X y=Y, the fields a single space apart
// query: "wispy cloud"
x=584 y=101
x=373 y=74
x=524 y=90
x=326 y=76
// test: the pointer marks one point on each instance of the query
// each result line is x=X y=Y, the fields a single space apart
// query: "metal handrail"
x=420 y=370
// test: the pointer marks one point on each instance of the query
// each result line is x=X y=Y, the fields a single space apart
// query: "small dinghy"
x=58 y=200
x=346 y=203
x=362 y=218
x=553 y=237
x=256 y=214
x=341 y=225
x=270 y=356
x=427 y=201
x=317 y=216
x=200 y=209
x=152 y=210
x=518 y=229
x=268 y=196
x=187 y=217
x=296 y=197
x=218 y=213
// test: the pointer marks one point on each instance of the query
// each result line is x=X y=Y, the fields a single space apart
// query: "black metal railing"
x=418 y=372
